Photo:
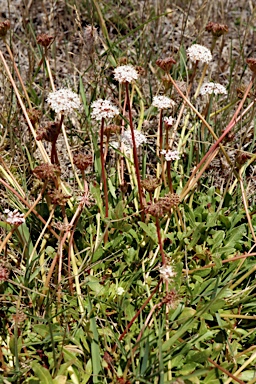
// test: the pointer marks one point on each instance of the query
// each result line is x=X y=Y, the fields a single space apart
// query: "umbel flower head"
x=198 y=52
x=125 y=73
x=216 y=88
x=126 y=138
x=167 y=273
x=103 y=109
x=14 y=217
x=63 y=100
x=170 y=155
x=162 y=102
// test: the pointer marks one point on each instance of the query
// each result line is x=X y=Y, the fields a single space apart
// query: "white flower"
x=102 y=109
x=163 y=102
x=169 y=121
x=63 y=100
x=167 y=273
x=170 y=155
x=198 y=52
x=120 y=291
x=125 y=73
x=14 y=217
x=216 y=88
x=126 y=138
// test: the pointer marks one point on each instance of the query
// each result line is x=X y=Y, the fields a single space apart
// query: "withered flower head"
x=19 y=317
x=4 y=27
x=150 y=184
x=44 y=39
x=241 y=90
x=251 y=64
x=164 y=205
x=4 y=273
x=141 y=71
x=165 y=64
x=34 y=115
x=58 y=198
x=47 y=172
x=171 y=299
x=49 y=133
x=82 y=161
x=112 y=129
x=216 y=29
x=155 y=209
x=241 y=158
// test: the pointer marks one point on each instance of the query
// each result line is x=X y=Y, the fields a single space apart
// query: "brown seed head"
x=150 y=184
x=216 y=29
x=44 y=40
x=34 y=115
x=58 y=198
x=251 y=64
x=165 y=64
x=4 y=27
x=47 y=172
x=82 y=161
x=112 y=129
x=4 y=273
x=49 y=133
x=141 y=71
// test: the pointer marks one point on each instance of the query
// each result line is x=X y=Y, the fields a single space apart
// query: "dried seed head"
x=155 y=209
x=112 y=129
x=4 y=273
x=171 y=299
x=44 y=40
x=34 y=115
x=91 y=37
x=150 y=184
x=166 y=64
x=58 y=198
x=49 y=133
x=216 y=29
x=19 y=317
x=47 y=172
x=241 y=158
x=241 y=90
x=251 y=64
x=82 y=161
x=4 y=27
x=141 y=71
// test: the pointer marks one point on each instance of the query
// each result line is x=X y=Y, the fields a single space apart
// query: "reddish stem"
x=103 y=174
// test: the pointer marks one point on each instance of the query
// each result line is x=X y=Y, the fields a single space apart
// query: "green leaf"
x=60 y=379
x=235 y=235
x=149 y=229
x=42 y=373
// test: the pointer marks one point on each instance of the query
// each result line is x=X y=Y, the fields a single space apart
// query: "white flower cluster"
x=216 y=88
x=167 y=273
x=103 y=109
x=125 y=73
x=198 y=52
x=163 y=102
x=14 y=217
x=63 y=100
x=120 y=291
x=169 y=121
x=126 y=139
x=170 y=155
